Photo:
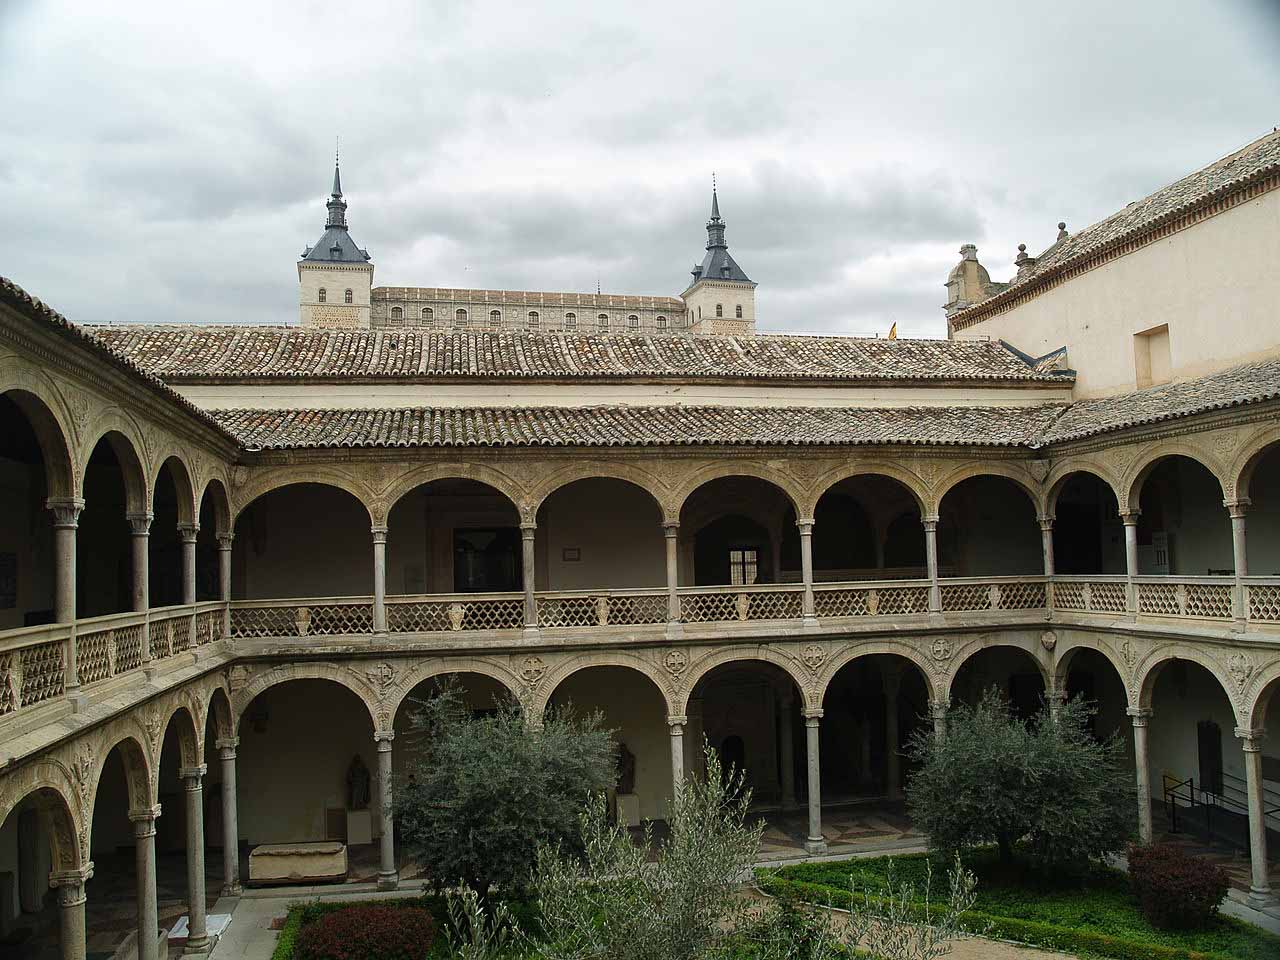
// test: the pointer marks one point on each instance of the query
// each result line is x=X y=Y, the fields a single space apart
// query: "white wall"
x=1215 y=284
x=616 y=529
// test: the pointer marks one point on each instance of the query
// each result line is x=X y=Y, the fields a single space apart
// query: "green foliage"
x=368 y=932
x=1095 y=914
x=611 y=902
x=1177 y=891
x=483 y=793
x=1047 y=783
x=476 y=933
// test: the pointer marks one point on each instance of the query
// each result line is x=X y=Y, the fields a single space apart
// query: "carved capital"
x=193 y=775
x=1237 y=508
x=677 y=723
x=812 y=716
x=671 y=529
x=66 y=510
x=379 y=534
x=805 y=526
x=225 y=540
x=140 y=523
x=383 y=739
x=1250 y=739
x=1141 y=716
x=1130 y=518
x=188 y=532
x=1046 y=524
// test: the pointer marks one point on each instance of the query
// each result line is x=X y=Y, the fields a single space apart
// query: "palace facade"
x=231 y=556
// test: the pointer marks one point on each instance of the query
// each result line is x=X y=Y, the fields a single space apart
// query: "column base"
x=388 y=881
x=1261 y=898
x=199 y=948
x=809 y=623
x=231 y=890
x=815 y=847
x=77 y=700
x=531 y=633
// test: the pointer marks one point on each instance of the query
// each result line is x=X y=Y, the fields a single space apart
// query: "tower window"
x=737 y=311
x=719 y=309
x=633 y=322
x=428 y=315
x=460 y=317
x=347 y=297
x=495 y=318
x=661 y=322
x=397 y=313
x=534 y=319
x=602 y=321
x=571 y=321
x=323 y=296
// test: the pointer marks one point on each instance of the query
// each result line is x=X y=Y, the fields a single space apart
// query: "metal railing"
x=1218 y=814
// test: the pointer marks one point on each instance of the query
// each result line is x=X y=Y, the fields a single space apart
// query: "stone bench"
x=323 y=861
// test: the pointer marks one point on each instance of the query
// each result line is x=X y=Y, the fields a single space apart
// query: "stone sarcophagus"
x=323 y=861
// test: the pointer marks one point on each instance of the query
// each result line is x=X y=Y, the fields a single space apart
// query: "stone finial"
x=1062 y=230
x=1024 y=261
x=969 y=252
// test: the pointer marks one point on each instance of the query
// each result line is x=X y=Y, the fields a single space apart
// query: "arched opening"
x=27 y=563
x=987 y=528
x=865 y=528
x=1088 y=537
x=214 y=520
x=1011 y=670
x=732 y=532
x=870 y=708
x=453 y=536
x=218 y=726
x=1263 y=517
x=104 y=561
x=1091 y=676
x=287 y=540
x=1183 y=529
x=113 y=910
x=635 y=709
x=306 y=770
x=178 y=752
x=580 y=528
x=29 y=853
x=164 y=546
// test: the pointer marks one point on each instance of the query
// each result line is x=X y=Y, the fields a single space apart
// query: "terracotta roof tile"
x=179 y=353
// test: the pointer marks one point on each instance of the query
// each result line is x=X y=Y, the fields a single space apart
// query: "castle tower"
x=335 y=276
x=721 y=298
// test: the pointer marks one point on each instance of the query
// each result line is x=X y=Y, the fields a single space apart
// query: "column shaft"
x=71 y=900
x=815 y=843
x=230 y=820
x=1046 y=544
x=66 y=520
x=198 y=934
x=676 y=727
x=1259 y=883
x=1130 y=521
x=938 y=710
x=144 y=833
x=140 y=530
x=527 y=533
x=931 y=562
x=224 y=579
x=188 y=533
x=1237 y=509
x=388 y=877
x=672 y=532
x=1141 y=718
x=806 y=565
x=379 y=579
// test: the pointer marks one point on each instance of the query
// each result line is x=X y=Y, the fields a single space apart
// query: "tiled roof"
x=1250 y=383
x=638 y=426
x=41 y=312
x=535 y=297
x=179 y=353
x=1256 y=161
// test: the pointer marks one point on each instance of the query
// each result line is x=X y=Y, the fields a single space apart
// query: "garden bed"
x=1097 y=916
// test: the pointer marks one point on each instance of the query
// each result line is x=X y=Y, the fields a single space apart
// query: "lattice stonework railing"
x=1095 y=596
x=601 y=609
x=32 y=674
x=1262 y=600
x=839 y=600
x=1186 y=598
x=455 y=613
x=1023 y=595
x=725 y=606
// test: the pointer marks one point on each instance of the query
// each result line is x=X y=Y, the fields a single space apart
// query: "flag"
x=893 y=331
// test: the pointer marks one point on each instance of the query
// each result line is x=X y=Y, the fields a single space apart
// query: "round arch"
x=55 y=451
x=699 y=669
x=48 y=788
x=847 y=656
x=189 y=736
x=1149 y=668
x=992 y=469
x=183 y=485
x=612 y=658
x=303 y=671
x=1246 y=464
x=125 y=439
x=272 y=482
x=829 y=480
x=432 y=669
x=1149 y=460
x=640 y=479
x=429 y=473
x=1067 y=649
x=216 y=493
x=1265 y=688
x=787 y=485
x=139 y=772
x=219 y=709
x=968 y=650
x=1060 y=476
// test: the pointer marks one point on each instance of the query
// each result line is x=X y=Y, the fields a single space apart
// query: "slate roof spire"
x=717 y=264
x=336 y=205
x=715 y=226
x=336 y=244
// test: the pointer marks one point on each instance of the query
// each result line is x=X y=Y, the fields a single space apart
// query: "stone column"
x=806 y=566
x=1141 y=717
x=675 y=724
x=1236 y=509
x=938 y=711
x=224 y=579
x=379 y=579
x=1130 y=521
x=528 y=573
x=1046 y=543
x=71 y=900
x=815 y=843
x=144 y=834
x=198 y=935
x=893 y=760
x=787 y=751
x=66 y=520
x=388 y=877
x=230 y=819
x=672 y=533
x=1259 y=884
x=140 y=530
x=931 y=562
x=188 y=532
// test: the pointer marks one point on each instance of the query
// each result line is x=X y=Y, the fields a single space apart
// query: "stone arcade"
x=231 y=555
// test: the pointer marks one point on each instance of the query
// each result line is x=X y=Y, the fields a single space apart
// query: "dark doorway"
x=487 y=561
x=1209 y=740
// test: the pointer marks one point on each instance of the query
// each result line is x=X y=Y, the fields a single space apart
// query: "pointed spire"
x=715 y=201
x=337 y=181
x=715 y=226
x=337 y=206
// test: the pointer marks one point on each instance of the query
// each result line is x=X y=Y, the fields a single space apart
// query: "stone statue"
x=357 y=785
x=626 y=770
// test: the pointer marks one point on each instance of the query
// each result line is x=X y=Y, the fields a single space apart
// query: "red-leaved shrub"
x=368 y=933
x=1176 y=890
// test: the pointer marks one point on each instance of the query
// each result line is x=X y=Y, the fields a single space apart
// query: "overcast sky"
x=162 y=166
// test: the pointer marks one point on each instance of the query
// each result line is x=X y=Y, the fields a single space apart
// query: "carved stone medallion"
x=532 y=670
x=814 y=656
x=941 y=650
x=675 y=662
